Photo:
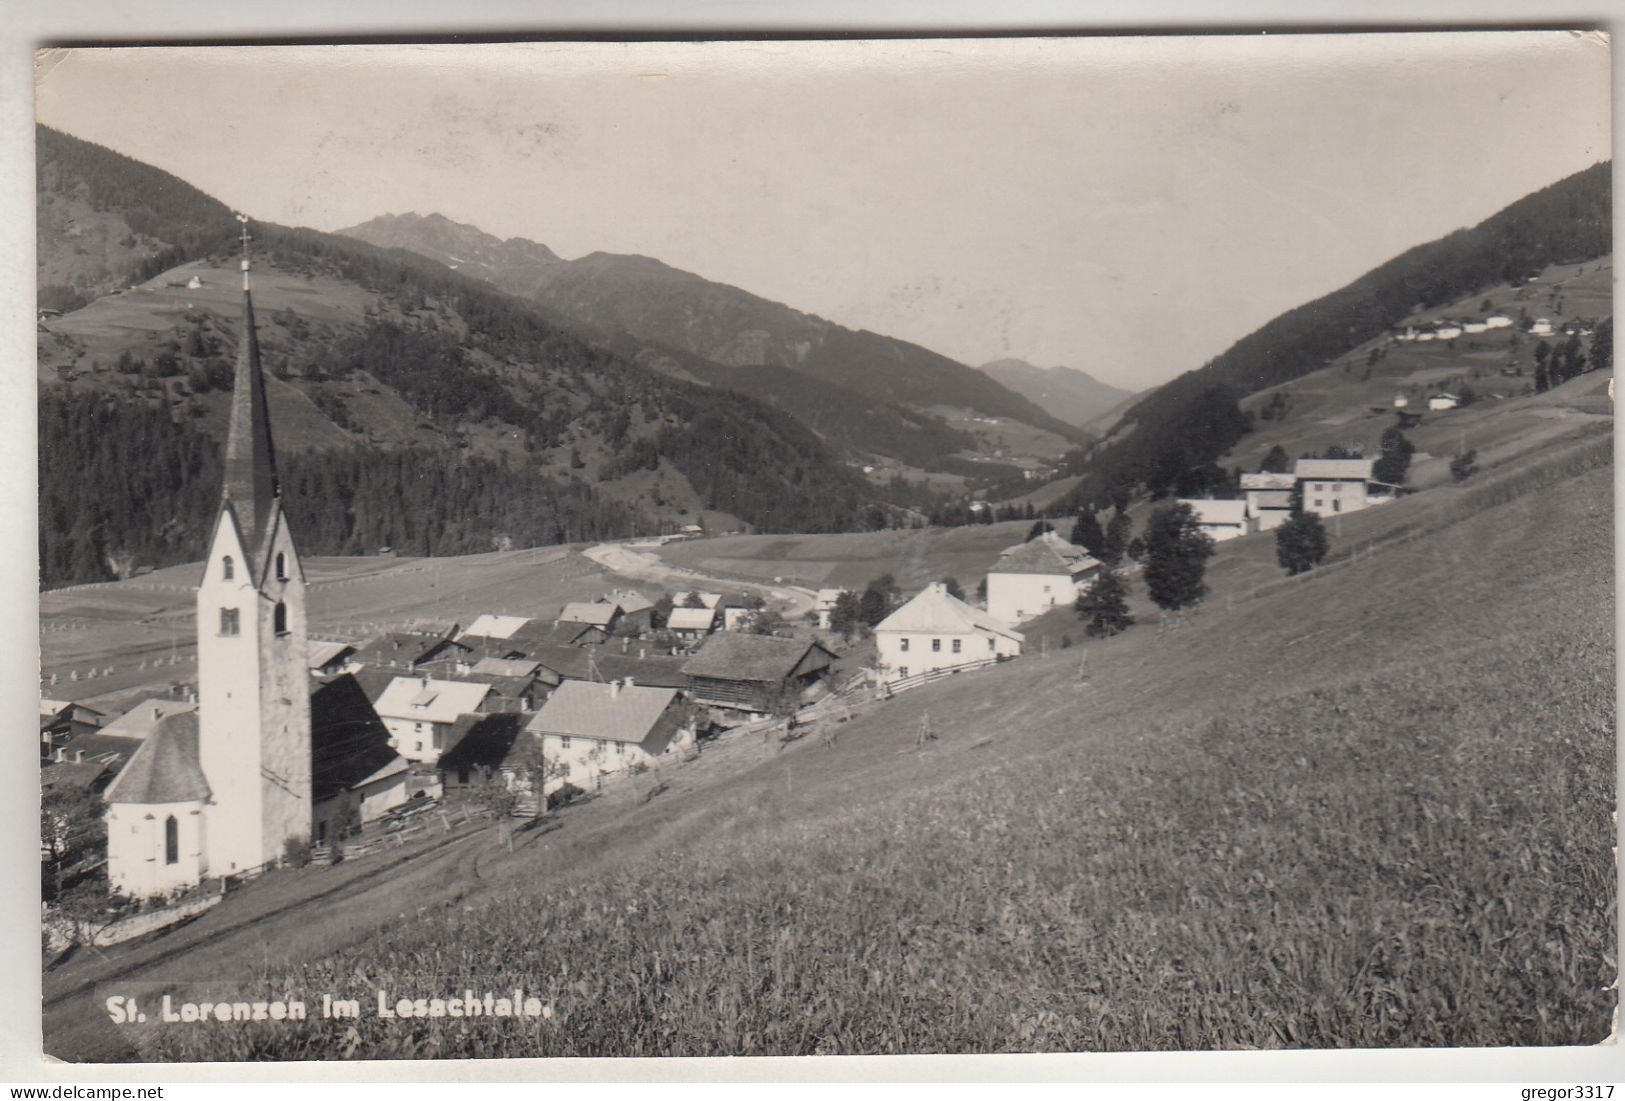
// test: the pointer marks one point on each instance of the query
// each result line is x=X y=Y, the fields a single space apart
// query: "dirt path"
x=648 y=567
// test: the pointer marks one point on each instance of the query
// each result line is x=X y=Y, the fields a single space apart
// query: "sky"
x=1126 y=206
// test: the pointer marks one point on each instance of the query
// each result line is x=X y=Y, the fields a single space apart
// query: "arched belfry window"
x=281 y=566
x=172 y=840
x=227 y=568
x=280 y=618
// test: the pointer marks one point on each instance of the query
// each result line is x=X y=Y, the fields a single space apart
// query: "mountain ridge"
x=1075 y=396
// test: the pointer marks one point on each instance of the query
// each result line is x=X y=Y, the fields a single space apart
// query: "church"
x=263 y=763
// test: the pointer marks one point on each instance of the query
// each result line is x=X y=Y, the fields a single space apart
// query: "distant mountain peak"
x=1073 y=395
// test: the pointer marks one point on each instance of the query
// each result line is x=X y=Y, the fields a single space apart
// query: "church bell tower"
x=253 y=687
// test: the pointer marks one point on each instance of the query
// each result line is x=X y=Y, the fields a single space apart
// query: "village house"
x=636 y=610
x=1498 y=321
x=614 y=661
x=936 y=630
x=419 y=712
x=411 y=650
x=602 y=616
x=824 y=605
x=515 y=683
x=329 y=659
x=1268 y=499
x=1448 y=330
x=758 y=673
x=144 y=717
x=690 y=624
x=1438 y=403
x=1219 y=520
x=356 y=776
x=488 y=626
x=61 y=721
x=1541 y=326
x=486 y=750
x=1032 y=577
x=1333 y=486
x=590 y=730
x=1473 y=325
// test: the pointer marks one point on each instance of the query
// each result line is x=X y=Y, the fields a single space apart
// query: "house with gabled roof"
x=419 y=712
x=1219 y=520
x=692 y=623
x=754 y=672
x=328 y=659
x=1333 y=486
x=1032 y=577
x=140 y=720
x=589 y=730
x=611 y=662
x=495 y=626
x=406 y=650
x=936 y=630
x=1268 y=497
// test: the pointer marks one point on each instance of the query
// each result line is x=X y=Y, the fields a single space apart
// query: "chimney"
x=61 y=754
x=425 y=682
x=157 y=713
x=642 y=652
x=629 y=682
x=614 y=689
x=78 y=756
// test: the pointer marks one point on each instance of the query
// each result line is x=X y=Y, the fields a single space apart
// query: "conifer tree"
x=1104 y=607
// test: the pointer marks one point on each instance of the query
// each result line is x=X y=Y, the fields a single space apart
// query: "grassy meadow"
x=1371 y=808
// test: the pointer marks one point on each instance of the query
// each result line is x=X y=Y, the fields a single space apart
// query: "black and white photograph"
x=825 y=546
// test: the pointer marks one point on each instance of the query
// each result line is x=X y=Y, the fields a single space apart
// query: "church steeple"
x=251 y=489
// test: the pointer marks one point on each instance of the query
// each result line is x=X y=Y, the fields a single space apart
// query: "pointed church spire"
x=251 y=488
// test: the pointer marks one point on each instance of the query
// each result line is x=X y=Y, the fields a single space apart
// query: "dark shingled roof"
x=482 y=741
x=165 y=769
x=735 y=656
x=609 y=663
x=348 y=741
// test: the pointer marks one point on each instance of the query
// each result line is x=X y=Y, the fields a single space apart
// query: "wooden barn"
x=751 y=672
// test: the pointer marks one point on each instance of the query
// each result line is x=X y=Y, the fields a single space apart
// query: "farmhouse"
x=595 y=614
x=419 y=712
x=1268 y=499
x=691 y=623
x=607 y=663
x=1032 y=577
x=1541 y=326
x=635 y=608
x=1498 y=321
x=1331 y=486
x=754 y=672
x=588 y=730
x=94 y=748
x=356 y=777
x=1448 y=330
x=486 y=749
x=1219 y=520
x=1473 y=325
x=488 y=626
x=61 y=721
x=411 y=650
x=1438 y=403
x=331 y=658
x=938 y=631
x=144 y=717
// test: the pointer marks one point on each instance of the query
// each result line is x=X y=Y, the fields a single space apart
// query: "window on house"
x=1319 y=503
x=903 y=671
x=564 y=741
x=620 y=749
x=1337 y=506
x=417 y=728
x=279 y=618
x=990 y=644
x=172 y=841
x=419 y=748
x=936 y=646
x=281 y=566
x=228 y=621
x=228 y=569
x=956 y=645
x=903 y=645
x=462 y=776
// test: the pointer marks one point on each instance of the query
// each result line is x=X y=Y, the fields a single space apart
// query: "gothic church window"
x=280 y=618
x=227 y=568
x=228 y=621
x=281 y=566
x=172 y=841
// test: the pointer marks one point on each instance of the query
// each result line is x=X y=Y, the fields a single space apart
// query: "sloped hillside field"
x=1369 y=809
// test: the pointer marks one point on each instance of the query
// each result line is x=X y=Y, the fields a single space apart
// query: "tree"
x=1276 y=461
x=661 y=612
x=1103 y=606
x=981 y=591
x=1300 y=543
x=847 y=613
x=1135 y=548
x=1118 y=532
x=872 y=606
x=766 y=622
x=693 y=600
x=1602 y=346
x=1396 y=458
x=1087 y=533
x=1462 y=466
x=1176 y=554
x=953 y=587
x=1039 y=528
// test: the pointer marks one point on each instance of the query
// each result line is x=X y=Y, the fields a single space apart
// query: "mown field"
x=1367 y=809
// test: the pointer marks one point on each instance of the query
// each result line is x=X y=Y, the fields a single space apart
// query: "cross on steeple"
x=243 y=218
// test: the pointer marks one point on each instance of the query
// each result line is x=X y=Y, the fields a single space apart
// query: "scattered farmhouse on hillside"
x=1219 y=520
x=1331 y=486
x=1032 y=577
x=1438 y=403
x=419 y=712
x=589 y=730
x=753 y=672
x=938 y=631
x=1268 y=500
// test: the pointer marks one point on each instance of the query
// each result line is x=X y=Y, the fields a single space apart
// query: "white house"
x=691 y=623
x=1474 y=326
x=1331 y=486
x=938 y=631
x=420 y=711
x=590 y=730
x=1425 y=334
x=1541 y=327
x=1440 y=402
x=1268 y=500
x=1032 y=577
x=824 y=605
x=1498 y=321
x=1220 y=520
x=144 y=717
x=1449 y=330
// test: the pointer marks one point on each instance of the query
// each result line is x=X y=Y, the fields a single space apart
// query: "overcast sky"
x=1126 y=206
